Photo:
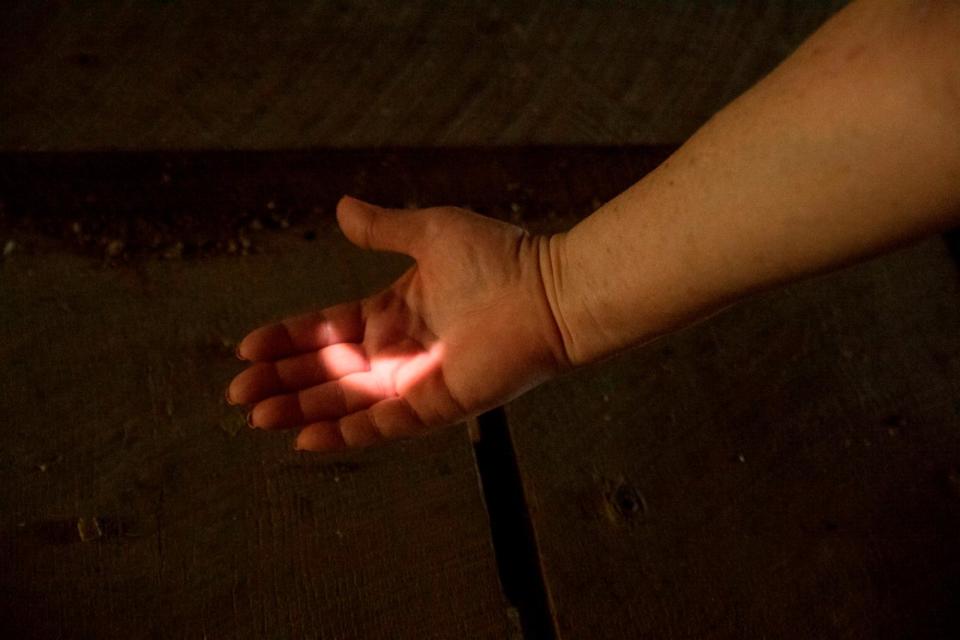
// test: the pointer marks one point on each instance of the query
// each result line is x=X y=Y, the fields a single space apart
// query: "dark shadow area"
x=952 y=238
x=127 y=206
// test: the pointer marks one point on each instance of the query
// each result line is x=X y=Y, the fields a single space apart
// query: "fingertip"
x=320 y=437
x=348 y=203
x=346 y=209
x=268 y=342
x=301 y=444
x=371 y=226
x=239 y=355
x=353 y=200
x=344 y=201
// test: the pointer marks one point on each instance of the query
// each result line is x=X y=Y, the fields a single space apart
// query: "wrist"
x=567 y=307
x=594 y=302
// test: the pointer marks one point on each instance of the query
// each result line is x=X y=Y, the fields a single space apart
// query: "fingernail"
x=237 y=353
x=250 y=420
x=226 y=394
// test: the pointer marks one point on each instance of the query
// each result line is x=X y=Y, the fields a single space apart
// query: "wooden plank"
x=788 y=468
x=134 y=503
x=172 y=75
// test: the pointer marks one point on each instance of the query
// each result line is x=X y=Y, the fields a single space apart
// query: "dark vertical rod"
x=515 y=546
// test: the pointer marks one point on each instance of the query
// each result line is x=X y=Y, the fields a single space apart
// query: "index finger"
x=306 y=332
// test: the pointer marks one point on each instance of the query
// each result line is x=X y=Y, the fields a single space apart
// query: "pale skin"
x=851 y=147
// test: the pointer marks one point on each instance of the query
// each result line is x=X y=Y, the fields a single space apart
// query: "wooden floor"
x=789 y=468
x=222 y=74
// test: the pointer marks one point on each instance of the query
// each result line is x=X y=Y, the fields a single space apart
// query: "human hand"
x=465 y=329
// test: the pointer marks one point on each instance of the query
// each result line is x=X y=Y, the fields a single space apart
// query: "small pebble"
x=234 y=424
x=175 y=251
x=89 y=529
x=114 y=248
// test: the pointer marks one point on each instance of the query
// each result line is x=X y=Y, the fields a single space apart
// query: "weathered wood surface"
x=840 y=394
x=112 y=378
x=787 y=469
x=215 y=74
x=124 y=291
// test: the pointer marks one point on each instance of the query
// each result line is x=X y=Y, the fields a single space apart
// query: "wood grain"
x=134 y=503
x=215 y=74
x=787 y=469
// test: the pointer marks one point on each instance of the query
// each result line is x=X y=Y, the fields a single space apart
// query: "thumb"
x=371 y=227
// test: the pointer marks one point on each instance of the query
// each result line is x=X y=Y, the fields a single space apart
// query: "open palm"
x=463 y=330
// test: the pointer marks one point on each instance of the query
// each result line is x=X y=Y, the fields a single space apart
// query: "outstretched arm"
x=849 y=148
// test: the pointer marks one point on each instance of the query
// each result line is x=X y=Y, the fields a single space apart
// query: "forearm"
x=850 y=147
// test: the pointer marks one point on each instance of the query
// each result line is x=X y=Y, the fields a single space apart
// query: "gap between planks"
x=511 y=528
